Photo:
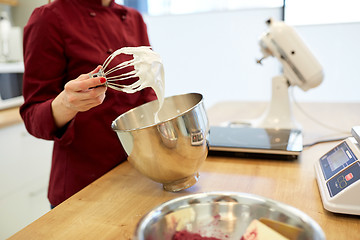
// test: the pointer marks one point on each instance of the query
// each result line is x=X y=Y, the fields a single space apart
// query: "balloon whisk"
x=146 y=65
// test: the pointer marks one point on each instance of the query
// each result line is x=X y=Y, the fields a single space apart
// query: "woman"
x=64 y=41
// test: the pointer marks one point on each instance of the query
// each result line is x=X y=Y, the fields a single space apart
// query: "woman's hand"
x=79 y=95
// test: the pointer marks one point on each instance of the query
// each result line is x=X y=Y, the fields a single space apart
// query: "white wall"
x=336 y=47
x=214 y=54
x=23 y=10
x=206 y=52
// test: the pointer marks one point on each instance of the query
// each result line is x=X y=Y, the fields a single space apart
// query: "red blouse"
x=62 y=40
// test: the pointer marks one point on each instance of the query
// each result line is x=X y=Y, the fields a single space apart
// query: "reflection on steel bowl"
x=222 y=215
x=169 y=151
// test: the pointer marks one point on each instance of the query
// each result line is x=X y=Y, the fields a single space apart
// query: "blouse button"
x=123 y=17
x=93 y=14
x=110 y=50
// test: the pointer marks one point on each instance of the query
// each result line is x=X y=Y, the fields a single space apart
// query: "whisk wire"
x=141 y=66
x=120 y=66
x=122 y=76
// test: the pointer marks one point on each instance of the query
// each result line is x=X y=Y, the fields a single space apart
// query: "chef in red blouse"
x=64 y=41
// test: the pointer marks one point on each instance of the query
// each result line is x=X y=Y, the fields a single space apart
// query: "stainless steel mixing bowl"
x=169 y=151
x=222 y=215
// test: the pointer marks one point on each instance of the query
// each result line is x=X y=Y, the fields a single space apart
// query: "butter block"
x=289 y=231
x=259 y=231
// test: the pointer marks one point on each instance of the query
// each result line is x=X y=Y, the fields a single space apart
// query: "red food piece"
x=185 y=235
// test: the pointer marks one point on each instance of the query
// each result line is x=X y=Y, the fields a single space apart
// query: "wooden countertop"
x=9 y=117
x=111 y=207
x=9 y=2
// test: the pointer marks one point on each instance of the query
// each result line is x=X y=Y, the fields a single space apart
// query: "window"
x=303 y=12
x=162 y=7
x=296 y=12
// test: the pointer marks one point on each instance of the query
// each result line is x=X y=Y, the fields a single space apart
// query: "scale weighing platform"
x=338 y=176
x=255 y=142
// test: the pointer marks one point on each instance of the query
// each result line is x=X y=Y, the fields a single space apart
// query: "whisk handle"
x=100 y=73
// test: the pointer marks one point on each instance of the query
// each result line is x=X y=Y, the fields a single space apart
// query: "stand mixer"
x=300 y=68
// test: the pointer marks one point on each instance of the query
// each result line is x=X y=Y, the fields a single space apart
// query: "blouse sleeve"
x=45 y=65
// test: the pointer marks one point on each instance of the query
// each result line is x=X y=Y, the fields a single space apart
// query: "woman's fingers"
x=84 y=82
x=85 y=92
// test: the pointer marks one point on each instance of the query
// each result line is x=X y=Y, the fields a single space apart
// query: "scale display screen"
x=336 y=160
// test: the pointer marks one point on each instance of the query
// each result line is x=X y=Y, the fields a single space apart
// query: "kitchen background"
x=207 y=50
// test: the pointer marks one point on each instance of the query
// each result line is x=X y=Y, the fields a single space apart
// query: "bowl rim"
x=114 y=127
x=157 y=210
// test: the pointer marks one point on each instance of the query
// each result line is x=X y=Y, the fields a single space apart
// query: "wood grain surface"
x=111 y=207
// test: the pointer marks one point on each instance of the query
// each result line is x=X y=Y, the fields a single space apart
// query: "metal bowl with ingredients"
x=169 y=147
x=225 y=216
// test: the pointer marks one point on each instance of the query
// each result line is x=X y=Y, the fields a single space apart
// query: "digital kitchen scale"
x=255 y=142
x=338 y=176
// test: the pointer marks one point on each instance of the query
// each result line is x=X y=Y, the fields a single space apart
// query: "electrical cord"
x=314 y=119
x=319 y=123
x=324 y=141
